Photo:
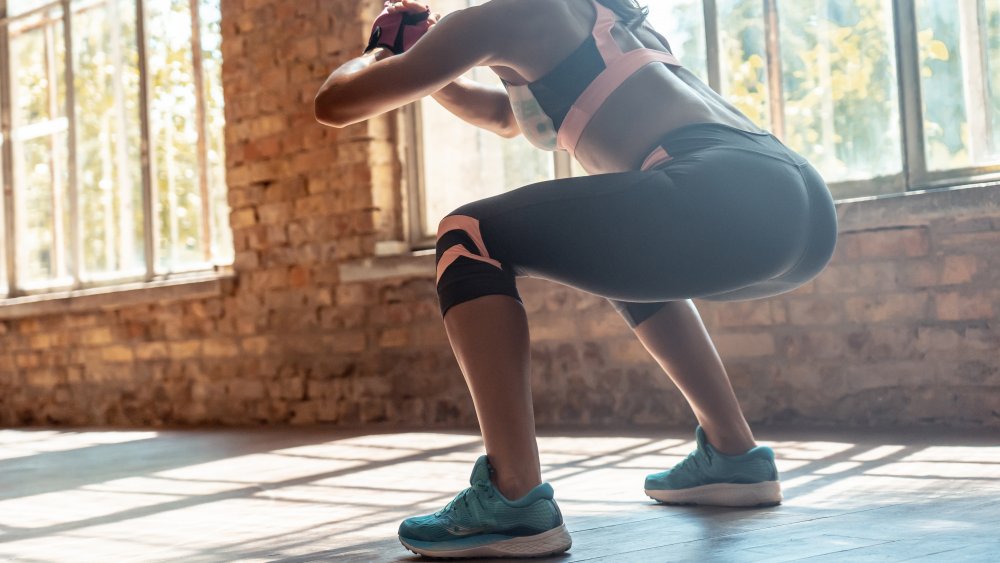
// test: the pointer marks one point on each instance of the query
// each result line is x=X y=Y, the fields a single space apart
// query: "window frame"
x=73 y=243
x=915 y=175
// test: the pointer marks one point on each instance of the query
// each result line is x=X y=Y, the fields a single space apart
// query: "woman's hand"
x=363 y=87
x=412 y=7
x=400 y=25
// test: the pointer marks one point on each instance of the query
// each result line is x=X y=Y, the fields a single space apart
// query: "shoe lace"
x=693 y=462
x=476 y=490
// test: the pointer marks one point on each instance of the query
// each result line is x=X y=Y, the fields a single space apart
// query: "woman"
x=686 y=199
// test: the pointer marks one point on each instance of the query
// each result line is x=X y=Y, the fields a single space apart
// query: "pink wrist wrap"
x=398 y=31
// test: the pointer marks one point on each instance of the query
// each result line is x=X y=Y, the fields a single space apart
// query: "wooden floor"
x=318 y=495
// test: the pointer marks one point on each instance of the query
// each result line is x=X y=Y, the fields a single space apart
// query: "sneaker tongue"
x=481 y=471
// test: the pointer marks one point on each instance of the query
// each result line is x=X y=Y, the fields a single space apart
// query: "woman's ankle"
x=515 y=491
x=730 y=443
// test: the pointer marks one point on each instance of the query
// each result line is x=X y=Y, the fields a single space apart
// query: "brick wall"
x=902 y=329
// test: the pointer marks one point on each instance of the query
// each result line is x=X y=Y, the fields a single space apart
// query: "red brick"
x=394 y=338
x=891 y=243
x=959 y=269
x=151 y=351
x=96 y=336
x=887 y=307
x=242 y=218
x=560 y=327
x=299 y=276
x=355 y=294
x=117 y=353
x=964 y=307
x=822 y=311
x=185 y=349
x=346 y=342
x=745 y=345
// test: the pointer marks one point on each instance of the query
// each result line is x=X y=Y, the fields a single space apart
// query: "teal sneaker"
x=481 y=522
x=708 y=477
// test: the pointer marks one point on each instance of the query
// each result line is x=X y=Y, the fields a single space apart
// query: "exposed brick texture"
x=903 y=328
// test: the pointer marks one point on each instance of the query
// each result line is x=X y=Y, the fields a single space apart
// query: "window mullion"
x=199 y=86
x=910 y=98
x=973 y=49
x=713 y=44
x=146 y=143
x=75 y=242
x=775 y=87
x=59 y=244
x=415 y=175
x=125 y=248
x=562 y=164
x=10 y=230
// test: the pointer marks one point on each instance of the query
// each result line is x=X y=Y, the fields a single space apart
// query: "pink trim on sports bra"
x=603 y=25
x=656 y=158
x=619 y=66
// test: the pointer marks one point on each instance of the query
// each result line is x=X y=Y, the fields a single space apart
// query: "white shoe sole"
x=767 y=493
x=556 y=540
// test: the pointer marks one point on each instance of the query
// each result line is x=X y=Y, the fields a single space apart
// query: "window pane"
x=682 y=22
x=4 y=287
x=463 y=163
x=39 y=136
x=958 y=112
x=174 y=129
x=15 y=7
x=211 y=52
x=744 y=58
x=108 y=137
x=992 y=31
x=841 y=103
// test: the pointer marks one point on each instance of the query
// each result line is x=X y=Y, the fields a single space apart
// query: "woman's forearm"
x=480 y=105
x=324 y=107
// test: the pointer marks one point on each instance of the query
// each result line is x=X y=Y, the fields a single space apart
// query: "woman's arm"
x=366 y=86
x=480 y=105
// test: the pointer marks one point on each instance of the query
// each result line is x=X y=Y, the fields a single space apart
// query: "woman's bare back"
x=653 y=102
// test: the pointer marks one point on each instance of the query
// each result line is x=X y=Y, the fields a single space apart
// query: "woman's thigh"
x=687 y=230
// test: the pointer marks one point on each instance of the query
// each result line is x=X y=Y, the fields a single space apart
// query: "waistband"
x=701 y=136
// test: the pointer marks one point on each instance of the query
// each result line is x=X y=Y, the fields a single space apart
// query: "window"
x=958 y=73
x=882 y=96
x=93 y=95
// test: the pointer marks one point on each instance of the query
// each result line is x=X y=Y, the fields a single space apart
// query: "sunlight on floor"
x=15 y=443
x=304 y=495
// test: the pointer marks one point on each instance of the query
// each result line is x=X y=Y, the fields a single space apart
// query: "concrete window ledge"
x=917 y=208
x=201 y=286
x=409 y=264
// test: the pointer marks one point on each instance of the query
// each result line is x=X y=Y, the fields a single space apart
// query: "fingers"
x=405 y=6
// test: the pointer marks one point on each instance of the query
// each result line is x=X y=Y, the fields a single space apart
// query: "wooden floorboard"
x=299 y=495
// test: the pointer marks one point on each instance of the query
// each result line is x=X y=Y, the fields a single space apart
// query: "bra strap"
x=600 y=90
x=606 y=44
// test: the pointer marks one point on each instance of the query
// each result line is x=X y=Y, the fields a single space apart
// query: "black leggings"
x=734 y=215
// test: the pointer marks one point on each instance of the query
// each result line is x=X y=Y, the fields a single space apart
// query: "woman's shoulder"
x=521 y=12
x=514 y=29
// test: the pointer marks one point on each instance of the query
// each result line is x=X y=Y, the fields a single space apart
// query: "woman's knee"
x=465 y=268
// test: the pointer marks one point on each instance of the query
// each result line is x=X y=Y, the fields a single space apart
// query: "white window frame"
x=72 y=240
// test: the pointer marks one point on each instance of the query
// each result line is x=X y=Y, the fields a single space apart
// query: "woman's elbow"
x=509 y=128
x=331 y=111
x=509 y=133
x=326 y=111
